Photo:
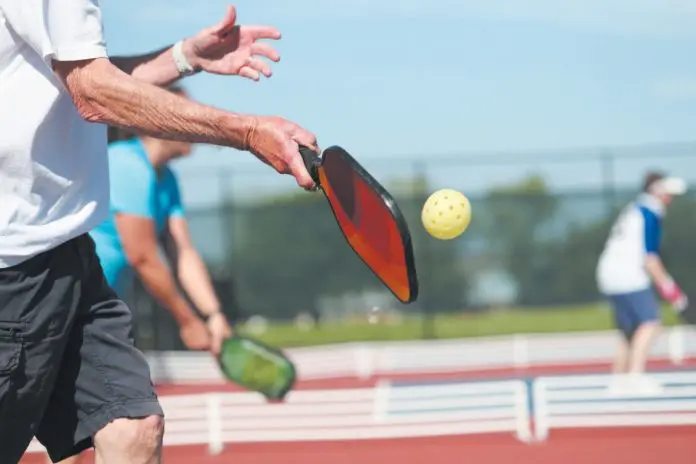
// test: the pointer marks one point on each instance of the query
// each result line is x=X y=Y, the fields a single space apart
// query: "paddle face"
x=369 y=218
x=257 y=367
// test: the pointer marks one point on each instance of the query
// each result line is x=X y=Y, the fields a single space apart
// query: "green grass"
x=562 y=319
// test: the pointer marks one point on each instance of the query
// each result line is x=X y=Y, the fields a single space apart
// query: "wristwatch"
x=182 y=64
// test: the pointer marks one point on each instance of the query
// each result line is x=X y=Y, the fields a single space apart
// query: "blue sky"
x=454 y=77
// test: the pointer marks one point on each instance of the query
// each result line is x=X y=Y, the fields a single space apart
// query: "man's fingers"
x=303 y=178
x=249 y=73
x=306 y=138
x=265 y=50
x=216 y=345
x=299 y=170
x=263 y=32
x=260 y=66
x=227 y=24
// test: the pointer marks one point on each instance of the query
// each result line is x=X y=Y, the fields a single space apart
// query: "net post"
x=214 y=419
x=607 y=161
x=523 y=416
x=539 y=410
x=381 y=400
x=420 y=193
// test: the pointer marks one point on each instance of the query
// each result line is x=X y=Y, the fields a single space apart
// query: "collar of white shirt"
x=652 y=203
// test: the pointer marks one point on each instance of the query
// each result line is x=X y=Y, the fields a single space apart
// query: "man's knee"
x=134 y=436
x=647 y=329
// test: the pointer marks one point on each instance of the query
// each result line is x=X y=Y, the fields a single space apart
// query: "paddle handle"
x=311 y=161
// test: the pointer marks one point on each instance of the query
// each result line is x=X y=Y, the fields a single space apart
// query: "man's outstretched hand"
x=276 y=141
x=229 y=49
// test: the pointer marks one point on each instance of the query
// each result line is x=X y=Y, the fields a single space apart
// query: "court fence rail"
x=365 y=360
x=662 y=399
x=524 y=408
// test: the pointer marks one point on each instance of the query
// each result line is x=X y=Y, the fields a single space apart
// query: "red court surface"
x=664 y=445
x=639 y=445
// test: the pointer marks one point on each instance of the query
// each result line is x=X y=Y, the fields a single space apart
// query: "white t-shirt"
x=54 y=182
x=636 y=232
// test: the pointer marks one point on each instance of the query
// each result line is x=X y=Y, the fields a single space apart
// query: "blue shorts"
x=631 y=310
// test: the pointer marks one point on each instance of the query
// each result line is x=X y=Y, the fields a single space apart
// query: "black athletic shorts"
x=68 y=365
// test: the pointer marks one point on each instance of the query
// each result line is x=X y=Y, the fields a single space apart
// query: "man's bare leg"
x=130 y=441
x=622 y=359
x=641 y=344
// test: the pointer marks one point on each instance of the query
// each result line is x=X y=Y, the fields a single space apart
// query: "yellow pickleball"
x=446 y=214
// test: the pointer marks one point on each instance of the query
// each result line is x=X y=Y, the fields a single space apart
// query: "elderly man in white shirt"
x=69 y=372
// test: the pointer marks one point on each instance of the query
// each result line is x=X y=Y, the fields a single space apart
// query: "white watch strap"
x=182 y=64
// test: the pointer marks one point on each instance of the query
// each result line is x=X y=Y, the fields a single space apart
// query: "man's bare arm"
x=102 y=93
x=657 y=271
x=157 y=68
x=191 y=269
x=140 y=245
x=668 y=289
x=225 y=48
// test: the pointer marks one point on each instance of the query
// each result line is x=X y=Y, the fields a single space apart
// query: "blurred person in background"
x=66 y=334
x=145 y=214
x=629 y=267
x=145 y=210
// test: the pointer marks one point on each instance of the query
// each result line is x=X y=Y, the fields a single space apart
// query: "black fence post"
x=226 y=211
x=608 y=181
x=424 y=263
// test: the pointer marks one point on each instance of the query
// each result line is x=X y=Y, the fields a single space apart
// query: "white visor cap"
x=670 y=186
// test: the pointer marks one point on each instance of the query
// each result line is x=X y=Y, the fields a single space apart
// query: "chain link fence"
x=539 y=222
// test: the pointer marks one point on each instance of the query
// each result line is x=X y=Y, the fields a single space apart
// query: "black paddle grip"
x=311 y=162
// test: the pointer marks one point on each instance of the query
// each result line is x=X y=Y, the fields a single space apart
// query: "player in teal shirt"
x=138 y=189
x=145 y=203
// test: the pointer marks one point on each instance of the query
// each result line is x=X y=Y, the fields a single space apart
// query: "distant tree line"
x=290 y=252
x=287 y=253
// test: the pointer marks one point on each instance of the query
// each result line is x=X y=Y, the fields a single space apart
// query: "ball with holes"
x=446 y=214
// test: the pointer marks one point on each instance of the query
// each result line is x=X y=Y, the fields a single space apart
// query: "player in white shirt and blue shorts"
x=630 y=267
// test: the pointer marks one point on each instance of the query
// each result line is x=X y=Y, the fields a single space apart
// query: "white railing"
x=458 y=407
x=613 y=401
x=527 y=409
x=364 y=360
x=383 y=412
